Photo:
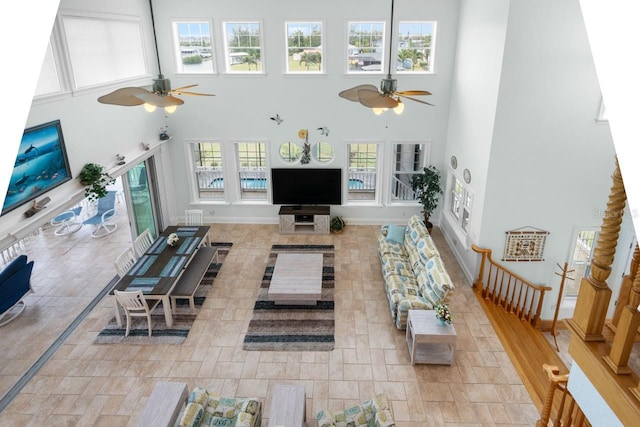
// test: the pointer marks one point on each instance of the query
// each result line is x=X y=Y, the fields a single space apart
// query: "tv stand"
x=304 y=219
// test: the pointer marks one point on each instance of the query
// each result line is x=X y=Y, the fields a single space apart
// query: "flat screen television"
x=301 y=186
x=41 y=164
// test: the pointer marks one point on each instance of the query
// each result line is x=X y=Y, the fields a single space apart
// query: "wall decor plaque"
x=525 y=244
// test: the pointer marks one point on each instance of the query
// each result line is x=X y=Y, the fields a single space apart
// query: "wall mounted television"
x=300 y=186
x=41 y=164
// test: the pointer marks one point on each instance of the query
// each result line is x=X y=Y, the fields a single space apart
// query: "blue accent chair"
x=67 y=222
x=106 y=213
x=15 y=283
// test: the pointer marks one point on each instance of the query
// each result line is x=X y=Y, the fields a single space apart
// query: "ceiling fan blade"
x=125 y=96
x=413 y=92
x=178 y=89
x=374 y=99
x=414 y=99
x=180 y=92
x=159 y=100
x=352 y=94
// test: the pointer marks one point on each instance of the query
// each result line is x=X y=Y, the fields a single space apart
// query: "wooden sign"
x=525 y=244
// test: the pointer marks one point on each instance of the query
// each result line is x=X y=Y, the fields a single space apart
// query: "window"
x=252 y=170
x=581 y=255
x=408 y=159
x=243 y=47
x=193 y=47
x=415 y=46
x=460 y=208
x=304 y=47
x=207 y=162
x=104 y=50
x=363 y=165
x=365 y=48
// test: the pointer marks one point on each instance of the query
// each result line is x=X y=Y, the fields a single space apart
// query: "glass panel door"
x=140 y=194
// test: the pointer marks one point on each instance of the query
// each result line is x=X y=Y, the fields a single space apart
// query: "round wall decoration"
x=467 y=176
x=454 y=162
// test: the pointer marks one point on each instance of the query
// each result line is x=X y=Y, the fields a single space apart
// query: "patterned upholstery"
x=372 y=413
x=210 y=409
x=414 y=274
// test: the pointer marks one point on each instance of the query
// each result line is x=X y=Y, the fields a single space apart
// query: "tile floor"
x=86 y=384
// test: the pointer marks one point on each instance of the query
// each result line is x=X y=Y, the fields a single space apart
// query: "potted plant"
x=95 y=179
x=427 y=186
x=337 y=224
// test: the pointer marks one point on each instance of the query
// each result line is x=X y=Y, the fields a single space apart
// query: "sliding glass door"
x=142 y=203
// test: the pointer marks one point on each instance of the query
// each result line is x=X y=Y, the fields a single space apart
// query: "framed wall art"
x=525 y=244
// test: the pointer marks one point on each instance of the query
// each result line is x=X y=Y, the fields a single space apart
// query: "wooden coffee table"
x=429 y=341
x=296 y=279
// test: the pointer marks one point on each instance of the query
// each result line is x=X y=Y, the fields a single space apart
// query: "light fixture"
x=387 y=96
x=159 y=94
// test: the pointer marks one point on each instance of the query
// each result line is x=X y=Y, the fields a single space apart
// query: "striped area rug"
x=183 y=318
x=294 y=327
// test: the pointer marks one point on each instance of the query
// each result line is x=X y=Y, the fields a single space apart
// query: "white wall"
x=474 y=98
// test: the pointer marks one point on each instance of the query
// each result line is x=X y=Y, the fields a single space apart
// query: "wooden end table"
x=288 y=406
x=429 y=342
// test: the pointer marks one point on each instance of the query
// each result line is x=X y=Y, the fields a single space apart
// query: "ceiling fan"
x=159 y=94
x=387 y=96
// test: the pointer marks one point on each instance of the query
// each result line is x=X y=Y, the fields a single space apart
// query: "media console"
x=304 y=219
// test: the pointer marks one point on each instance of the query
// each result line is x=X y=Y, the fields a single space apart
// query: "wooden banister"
x=559 y=406
x=507 y=289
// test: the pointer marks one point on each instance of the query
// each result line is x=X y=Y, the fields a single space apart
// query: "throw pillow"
x=395 y=233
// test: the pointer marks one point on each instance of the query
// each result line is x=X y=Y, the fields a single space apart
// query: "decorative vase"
x=441 y=322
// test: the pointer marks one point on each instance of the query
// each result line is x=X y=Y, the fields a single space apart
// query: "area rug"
x=294 y=327
x=183 y=317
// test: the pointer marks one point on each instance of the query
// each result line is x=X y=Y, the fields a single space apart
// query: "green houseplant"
x=95 y=179
x=428 y=188
x=337 y=224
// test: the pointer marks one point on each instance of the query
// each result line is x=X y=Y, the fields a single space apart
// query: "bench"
x=192 y=275
x=164 y=405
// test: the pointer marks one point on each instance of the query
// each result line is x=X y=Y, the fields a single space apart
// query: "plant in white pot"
x=428 y=188
x=95 y=179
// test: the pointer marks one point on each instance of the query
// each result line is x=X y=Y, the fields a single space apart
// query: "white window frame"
x=225 y=38
x=136 y=28
x=322 y=47
x=432 y=47
x=177 y=47
x=236 y=173
x=464 y=206
x=383 y=47
x=193 y=182
x=378 y=173
x=426 y=158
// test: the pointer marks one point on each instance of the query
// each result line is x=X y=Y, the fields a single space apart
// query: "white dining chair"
x=125 y=261
x=142 y=242
x=193 y=216
x=135 y=305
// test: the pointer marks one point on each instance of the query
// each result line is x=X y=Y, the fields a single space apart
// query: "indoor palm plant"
x=95 y=179
x=428 y=189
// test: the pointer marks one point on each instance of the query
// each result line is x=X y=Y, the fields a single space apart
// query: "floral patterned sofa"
x=210 y=409
x=415 y=276
x=372 y=413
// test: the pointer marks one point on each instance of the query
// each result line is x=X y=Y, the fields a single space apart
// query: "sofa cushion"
x=192 y=415
x=392 y=264
x=426 y=249
x=434 y=282
x=14 y=266
x=199 y=395
x=384 y=419
x=388 y=247
x=416 y=228
x=395 y=233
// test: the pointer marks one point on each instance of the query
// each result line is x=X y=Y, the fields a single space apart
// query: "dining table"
x=158 y=270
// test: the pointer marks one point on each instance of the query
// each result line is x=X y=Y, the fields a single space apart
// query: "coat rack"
x=564 y=274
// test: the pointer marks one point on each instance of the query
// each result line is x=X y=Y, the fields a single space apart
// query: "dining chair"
x=193 y=216
x=142 y=242
x=134 y=305
x=125 y=261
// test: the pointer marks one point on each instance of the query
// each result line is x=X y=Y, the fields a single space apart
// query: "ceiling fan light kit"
x=159 y=93
x=388 y=97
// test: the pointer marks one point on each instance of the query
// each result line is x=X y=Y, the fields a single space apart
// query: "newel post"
x=594 y=294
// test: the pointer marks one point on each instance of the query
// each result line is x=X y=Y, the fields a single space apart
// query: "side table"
x=288 y=406
x=428 y=341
